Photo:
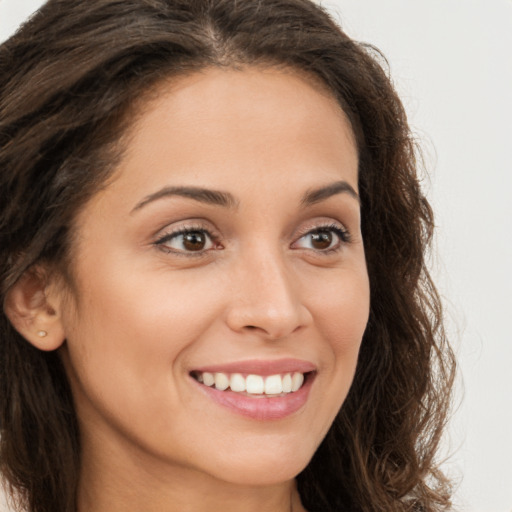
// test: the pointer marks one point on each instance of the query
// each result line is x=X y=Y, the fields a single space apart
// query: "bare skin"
x=169 y=281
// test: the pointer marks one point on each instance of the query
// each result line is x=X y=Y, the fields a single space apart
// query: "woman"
x=213 y=277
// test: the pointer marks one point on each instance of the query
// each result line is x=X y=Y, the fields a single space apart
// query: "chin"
x=258 y=473
x=266 y=465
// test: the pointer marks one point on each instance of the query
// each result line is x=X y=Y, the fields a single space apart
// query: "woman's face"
x=226 y=247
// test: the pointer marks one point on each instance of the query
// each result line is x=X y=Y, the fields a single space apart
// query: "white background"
x=452 y=65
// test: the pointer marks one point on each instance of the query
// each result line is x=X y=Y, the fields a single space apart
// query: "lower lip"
x=261 y=408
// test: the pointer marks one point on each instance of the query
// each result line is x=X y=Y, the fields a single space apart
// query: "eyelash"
x=186 y=230
x=342 y=234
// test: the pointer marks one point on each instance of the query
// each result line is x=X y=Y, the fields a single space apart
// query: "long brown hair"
x=68 y=79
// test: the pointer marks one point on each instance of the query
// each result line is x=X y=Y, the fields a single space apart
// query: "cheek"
x=342 y=316
x=127 y=341
x=136 y=322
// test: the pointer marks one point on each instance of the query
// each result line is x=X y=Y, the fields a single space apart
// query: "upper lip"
x=260 y=367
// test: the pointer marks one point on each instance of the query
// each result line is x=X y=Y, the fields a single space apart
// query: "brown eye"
x=194 y=241
x=187 y=241
x=321 y=240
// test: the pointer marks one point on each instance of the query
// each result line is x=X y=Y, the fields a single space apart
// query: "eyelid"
x=338 y=228
x=327 y=224
x=198 y=225
x=184 y=225
x=170 y=232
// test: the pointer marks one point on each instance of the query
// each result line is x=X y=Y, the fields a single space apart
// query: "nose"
x=266 y=298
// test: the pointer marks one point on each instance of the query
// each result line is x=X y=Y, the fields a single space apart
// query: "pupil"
x=194 y=241
x=321 y=240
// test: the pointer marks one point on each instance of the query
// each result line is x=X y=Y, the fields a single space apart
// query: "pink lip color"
x=261 y=367
x=261 y=407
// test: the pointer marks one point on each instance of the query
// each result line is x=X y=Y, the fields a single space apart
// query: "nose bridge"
x=265 y=295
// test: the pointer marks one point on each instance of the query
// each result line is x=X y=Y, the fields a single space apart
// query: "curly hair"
x=68 y=80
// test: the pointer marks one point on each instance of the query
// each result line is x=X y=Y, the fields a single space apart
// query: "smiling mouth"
x=253 y=385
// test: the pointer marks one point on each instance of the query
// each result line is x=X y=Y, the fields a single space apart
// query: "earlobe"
x=32 y=312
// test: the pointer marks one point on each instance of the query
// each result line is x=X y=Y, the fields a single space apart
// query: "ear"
x=32 y=306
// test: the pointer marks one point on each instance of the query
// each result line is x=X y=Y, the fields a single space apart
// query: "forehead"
x=224 y=128
x=250 y=111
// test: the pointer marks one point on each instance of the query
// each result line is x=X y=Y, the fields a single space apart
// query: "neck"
x=196 y=496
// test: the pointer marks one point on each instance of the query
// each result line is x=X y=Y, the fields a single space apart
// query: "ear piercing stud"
x=42 y=334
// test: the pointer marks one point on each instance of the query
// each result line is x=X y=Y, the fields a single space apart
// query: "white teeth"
x=287 y=383
x=273 y=385
x=297 y=380
x=237 y=383
x=208 y=379
x=221 y=381
x=253 y=384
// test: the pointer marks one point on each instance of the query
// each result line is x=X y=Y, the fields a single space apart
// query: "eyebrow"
x=227 y=200
x=203 y=195
x=321 y=194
